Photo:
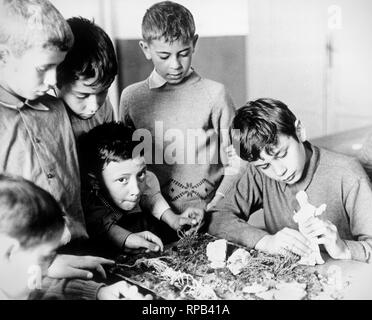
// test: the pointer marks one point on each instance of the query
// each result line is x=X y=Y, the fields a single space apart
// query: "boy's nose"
x=92 y=105
x=134 y=188
x=279 y=169
x=175 y=63
x=51 y=78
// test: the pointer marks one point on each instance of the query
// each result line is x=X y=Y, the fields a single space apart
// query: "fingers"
x=89 y=262
x=293 y=241
x=101 y=271
x=316 y=227
x=72 y=272
x=150 y=241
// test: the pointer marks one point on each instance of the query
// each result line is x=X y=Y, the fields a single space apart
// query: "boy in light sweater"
x=185 y=116
x=282 y=163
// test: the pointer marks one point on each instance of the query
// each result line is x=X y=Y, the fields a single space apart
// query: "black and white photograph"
x=206 y=151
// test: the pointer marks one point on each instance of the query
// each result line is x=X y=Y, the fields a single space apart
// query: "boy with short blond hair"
x=282 y=166
x=35 y=132
x=168 y=100
x=31 y=227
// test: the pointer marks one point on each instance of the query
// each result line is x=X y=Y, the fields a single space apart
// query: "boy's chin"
x=85 y=116
x=128 y=205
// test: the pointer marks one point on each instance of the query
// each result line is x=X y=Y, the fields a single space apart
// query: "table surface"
x=357 y=274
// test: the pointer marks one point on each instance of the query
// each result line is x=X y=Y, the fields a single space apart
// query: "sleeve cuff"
x=359 y=250
x=118 y=235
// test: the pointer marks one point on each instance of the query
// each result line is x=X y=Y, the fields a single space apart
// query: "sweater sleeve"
x=358 y=207
x=67 y=289
x=102 y=222
x=233 y=165
x=229 y=219
x=152 y=199
x=124 y=109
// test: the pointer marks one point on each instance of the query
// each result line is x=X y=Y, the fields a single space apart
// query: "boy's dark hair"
x=92 y=55
x=33 y=23
x=256 y=127
x=169 y=20
x=27 y=212
x=108 y=142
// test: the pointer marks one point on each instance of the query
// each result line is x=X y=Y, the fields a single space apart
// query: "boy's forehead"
x=283 y=143
x=164 y=45
x=43 y=56
x=83 y=84
x=128 y=166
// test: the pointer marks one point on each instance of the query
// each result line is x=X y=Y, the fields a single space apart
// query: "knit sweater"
x=338 y=181
x=185 y=127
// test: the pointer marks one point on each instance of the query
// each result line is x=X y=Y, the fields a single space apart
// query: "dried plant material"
x=216 y=253
x=307 y=211
x=183 y=271
x=238 y=260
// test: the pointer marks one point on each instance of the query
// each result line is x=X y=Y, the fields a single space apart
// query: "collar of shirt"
x=309 y=171
x=157 y=81
x=10 y=101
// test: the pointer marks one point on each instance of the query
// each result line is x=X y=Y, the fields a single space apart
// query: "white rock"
x=238 y=260
x=255 y=288
x=216 y=253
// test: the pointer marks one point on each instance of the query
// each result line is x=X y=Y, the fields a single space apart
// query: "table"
x=358 y=274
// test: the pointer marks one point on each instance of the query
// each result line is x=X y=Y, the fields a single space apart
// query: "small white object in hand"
x=307 y=211
x=216 y=253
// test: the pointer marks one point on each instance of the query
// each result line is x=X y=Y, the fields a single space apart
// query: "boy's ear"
x=94 y=183
x=194 y=41
x=4 y=53
x=145 y=49
x=8 y=247
x=300 y=131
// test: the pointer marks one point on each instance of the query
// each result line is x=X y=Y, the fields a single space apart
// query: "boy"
x=115 y=204
x=282 y=163
x=83 y=80
x=36 y=138
x=35 y=132
x=31 y=227
x=167 y=100
x=84 y=77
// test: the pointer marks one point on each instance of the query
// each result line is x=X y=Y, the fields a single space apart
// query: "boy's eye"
x=264 y=167
x=164 y=57
x=41 y=69
x=123 y=180
x=79 y=96
x=283 y=155
x=185 y=54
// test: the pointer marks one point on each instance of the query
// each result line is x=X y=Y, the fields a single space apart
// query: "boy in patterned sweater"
x=182 y=116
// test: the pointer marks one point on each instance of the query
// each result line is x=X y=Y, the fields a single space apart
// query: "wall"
x=314 y=55
x=220 y=53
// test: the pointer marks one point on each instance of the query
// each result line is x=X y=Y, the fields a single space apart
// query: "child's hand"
x=144 y=239
x=121 y=290
x=191 y=217
x=70 y=266
x=327 y=234
x=214 y=201
x=283 y=241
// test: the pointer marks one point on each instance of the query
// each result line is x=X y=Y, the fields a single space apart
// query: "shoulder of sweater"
x=341 y=164
x=212 y=85
x=134 y=89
